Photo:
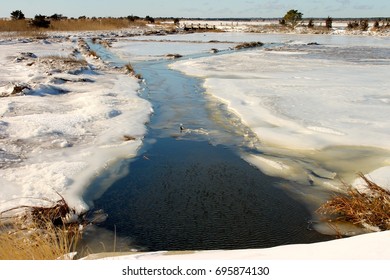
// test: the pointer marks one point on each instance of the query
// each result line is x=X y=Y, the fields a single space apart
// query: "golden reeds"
x=40 y=233
x=71 y=25
x=37 y=242
x=369 y=208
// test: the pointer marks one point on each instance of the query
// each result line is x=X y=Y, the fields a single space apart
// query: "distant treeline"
x=278 y=18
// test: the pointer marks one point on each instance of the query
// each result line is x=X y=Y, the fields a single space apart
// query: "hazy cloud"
x=273 y=5
x=332 y=9
x=363 y=7
x=344 y=2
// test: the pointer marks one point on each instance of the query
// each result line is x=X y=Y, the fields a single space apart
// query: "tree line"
x=43 y=21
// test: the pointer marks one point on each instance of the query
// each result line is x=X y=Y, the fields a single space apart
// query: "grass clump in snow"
x=129 y=69
x=40 y=233
x=248 y=45
x=33 y=242
x=368 y=208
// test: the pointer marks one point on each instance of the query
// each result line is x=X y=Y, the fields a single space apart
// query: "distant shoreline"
x=316 y=26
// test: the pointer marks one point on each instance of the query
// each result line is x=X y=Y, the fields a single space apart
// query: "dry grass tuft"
x=369 y=208
x=129 y=138
x=93 y=54
x=129 y=69
x=40 y=233
x=42 y=241
x=248 y=45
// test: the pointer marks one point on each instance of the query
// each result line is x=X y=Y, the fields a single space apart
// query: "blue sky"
x=198 y=8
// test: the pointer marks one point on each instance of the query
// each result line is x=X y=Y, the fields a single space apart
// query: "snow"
x=363 y=247
x=57 y=136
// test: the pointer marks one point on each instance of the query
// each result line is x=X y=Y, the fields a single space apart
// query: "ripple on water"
x=177 y=200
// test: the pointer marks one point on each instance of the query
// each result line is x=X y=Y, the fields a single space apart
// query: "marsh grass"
x=248 y=45
x=64 y=60
x=129 y=68
x=40 y=233
x=71 y=25
x=94 y=24
x=42 y=241
x=368 y=208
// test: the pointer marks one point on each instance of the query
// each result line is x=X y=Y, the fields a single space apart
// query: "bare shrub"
x=358 y=25
x=40 y=21
x=329 y=22
x=363 y=24
x=310 y=24
x=352 y=25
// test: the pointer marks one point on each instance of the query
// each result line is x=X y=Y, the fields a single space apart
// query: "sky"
x=198 y=9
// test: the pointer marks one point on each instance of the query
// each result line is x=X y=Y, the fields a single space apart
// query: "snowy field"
x=64 y=124
x=65 y=121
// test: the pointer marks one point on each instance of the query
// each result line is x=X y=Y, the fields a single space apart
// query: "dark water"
x=187 y=195
x=191 y=190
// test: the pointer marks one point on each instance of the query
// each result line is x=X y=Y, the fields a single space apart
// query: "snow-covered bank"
x=307 y=98
x=373 y=246
x=291 y=99
x=67 y=124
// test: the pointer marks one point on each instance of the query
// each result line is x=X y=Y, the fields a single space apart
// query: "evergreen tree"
x=18 y=14
x=293 y=18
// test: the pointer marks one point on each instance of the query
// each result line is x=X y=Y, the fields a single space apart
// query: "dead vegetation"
x=368 y=208
x=32 y=243
x=90 y=24
x=68 y=62
x=248 y=45
x=129 y=69
x=129 y=138
x=173 y=56
x=17 y=89
x=40 y=232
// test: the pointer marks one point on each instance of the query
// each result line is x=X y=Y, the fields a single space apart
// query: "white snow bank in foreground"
x=66 y=129
x=373 y=246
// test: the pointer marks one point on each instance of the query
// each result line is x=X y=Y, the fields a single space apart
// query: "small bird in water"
x=181 y=127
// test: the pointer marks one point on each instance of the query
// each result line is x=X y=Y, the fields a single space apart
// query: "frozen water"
x=302 y=99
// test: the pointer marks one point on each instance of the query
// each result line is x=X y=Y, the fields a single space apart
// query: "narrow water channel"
x=188 y=189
